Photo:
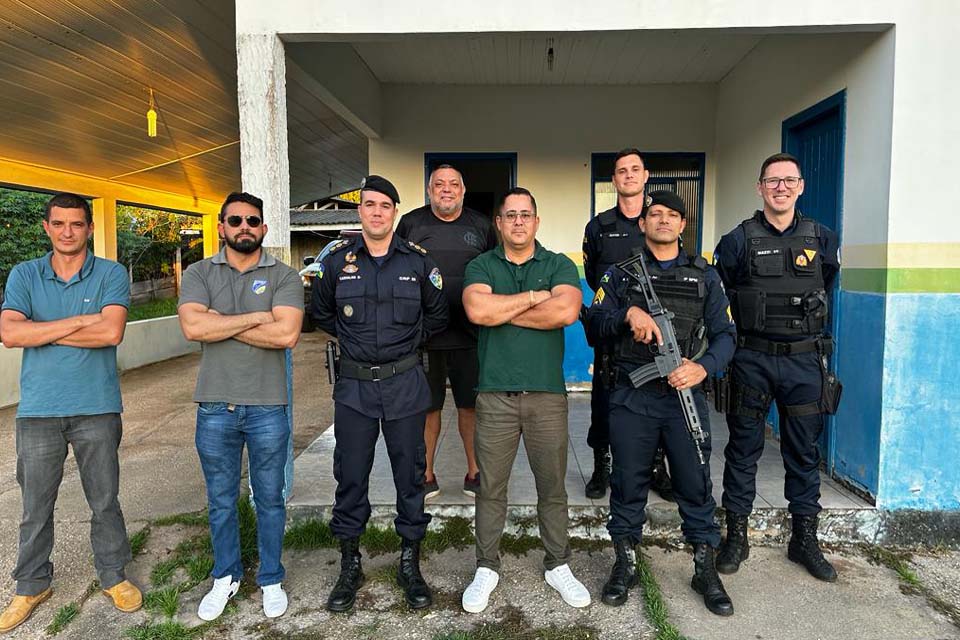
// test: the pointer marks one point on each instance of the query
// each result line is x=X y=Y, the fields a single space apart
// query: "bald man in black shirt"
x=454 y=236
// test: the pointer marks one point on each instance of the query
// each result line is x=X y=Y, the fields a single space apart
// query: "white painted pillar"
x=264 y=164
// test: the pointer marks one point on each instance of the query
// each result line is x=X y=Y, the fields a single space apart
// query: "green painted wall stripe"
x=904 y=280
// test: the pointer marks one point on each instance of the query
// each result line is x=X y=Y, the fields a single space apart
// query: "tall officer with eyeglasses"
x=778 y=268
x=382 y=297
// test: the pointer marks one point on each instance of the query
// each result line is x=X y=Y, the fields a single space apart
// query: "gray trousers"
x=541 y=418
x=41 y=451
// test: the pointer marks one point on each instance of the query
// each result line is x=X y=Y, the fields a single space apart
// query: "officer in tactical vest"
x=778 y=268
x=382 y=297
x=643 y=419
x=608 y=239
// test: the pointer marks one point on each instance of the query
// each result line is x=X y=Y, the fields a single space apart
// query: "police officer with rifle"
x=669 y=337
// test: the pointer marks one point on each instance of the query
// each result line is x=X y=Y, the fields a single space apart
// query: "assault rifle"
x=668 y=356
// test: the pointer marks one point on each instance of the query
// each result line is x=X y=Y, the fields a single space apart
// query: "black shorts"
x=463 y=369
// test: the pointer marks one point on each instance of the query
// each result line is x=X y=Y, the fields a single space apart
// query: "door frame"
x=836 y=102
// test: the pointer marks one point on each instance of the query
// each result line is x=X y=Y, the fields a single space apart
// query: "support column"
x=105 y=228
x=211 y=235
x=264 y=165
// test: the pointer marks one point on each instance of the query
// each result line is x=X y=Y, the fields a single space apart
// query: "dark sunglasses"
x=235 y=221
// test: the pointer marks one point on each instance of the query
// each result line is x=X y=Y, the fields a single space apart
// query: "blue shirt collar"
x=47 y=272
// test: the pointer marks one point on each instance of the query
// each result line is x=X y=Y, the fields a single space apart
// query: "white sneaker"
x=477 y=595
x=216 y=599
x=274 y=600
x=570 y=589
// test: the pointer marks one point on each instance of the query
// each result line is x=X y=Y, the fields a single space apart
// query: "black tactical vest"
x=682 y=290
x=784 y=293
x=618 y=236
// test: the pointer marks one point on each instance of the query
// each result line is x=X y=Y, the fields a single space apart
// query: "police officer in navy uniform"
x=382 y=297
x=778 y=268
x=608 y=239
x=643 y=419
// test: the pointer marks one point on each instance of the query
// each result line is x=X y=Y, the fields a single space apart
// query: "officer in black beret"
x=645 y=418
x=382 y=297
x=608 y=239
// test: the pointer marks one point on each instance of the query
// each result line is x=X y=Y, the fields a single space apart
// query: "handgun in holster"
x=333 y=362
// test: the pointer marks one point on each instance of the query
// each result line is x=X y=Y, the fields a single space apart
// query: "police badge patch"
x=436 y=279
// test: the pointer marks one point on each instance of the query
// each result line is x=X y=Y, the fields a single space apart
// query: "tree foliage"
x=21 y=233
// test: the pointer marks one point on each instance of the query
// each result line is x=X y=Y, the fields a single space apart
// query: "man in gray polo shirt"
x=68 y=311
x=246 y=308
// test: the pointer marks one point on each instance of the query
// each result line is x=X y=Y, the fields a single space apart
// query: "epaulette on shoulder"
x=700 y=263
x=341 y=245
x=416 y=247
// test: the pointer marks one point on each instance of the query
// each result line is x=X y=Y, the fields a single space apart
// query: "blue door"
x=815 y=136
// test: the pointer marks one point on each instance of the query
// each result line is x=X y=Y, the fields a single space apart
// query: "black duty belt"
x=821 y=344
x=377 y=372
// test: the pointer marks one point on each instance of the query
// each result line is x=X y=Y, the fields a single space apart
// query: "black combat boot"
x=805 y=549
x=623 y=575
x=600 y=480
x=351 y=578
x=661 y=479
x=706 y=581
x=736 y=548
x=415 y=589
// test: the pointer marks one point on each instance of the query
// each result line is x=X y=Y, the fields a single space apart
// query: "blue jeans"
x=222 y=431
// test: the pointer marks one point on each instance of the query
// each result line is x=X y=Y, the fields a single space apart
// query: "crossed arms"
x=553 y=309
x=89 y=331
x=276 y=329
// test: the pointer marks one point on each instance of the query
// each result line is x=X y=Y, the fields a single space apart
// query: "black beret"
x=670 y=200
x=380 y=185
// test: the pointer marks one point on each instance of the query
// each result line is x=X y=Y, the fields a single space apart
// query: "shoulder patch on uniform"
x=597 y=299
x=436 y=279
x=340 y=245
x=606 y=277
x=416 y=247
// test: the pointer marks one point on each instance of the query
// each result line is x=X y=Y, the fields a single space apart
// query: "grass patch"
x=63 y=617
x=309 y=534
x=895 y=560
x=653 y=603
x=166 y=630
x=455 y=533
x=515 y=627
x=192 y=519
x=247 y=518
x=152 y=309
x=163 y=571
x=138 y=541
x=164 y=602
x=199 y=567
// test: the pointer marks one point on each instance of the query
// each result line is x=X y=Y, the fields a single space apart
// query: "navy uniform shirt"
x=382 y=310
x=452 y=244
x=730 y=256
x=603 y=248
x=606 y=320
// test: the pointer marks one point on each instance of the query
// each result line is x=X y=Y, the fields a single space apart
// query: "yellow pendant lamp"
x=152 y=118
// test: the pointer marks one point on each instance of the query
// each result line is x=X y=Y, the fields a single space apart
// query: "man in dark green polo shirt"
x=521 y=296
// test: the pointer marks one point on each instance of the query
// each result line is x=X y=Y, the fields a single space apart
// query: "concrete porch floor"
x=846 y=517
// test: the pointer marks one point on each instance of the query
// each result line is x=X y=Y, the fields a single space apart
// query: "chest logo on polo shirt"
x=258 y=286
x=350 y=268
x=436 y=279
x=473 y=240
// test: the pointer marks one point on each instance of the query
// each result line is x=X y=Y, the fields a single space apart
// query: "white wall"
x=784 y=75
x=144 y=342
x=553 y=130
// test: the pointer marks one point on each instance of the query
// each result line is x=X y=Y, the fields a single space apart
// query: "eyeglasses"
x=235 y=221
x=524 y=216
x=791 y=182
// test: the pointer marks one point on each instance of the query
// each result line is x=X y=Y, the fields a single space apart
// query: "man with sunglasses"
x=246 y=308
x=522 y=296
x=778 y=268
x=382 y=297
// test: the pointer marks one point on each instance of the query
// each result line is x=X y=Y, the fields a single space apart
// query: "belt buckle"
x=375 y=372
x=783 y=348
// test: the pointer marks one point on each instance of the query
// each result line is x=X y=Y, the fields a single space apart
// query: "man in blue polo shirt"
x=67 y=311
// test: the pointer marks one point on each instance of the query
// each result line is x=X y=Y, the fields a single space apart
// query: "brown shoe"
x=126 y=597
x=20 y=609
